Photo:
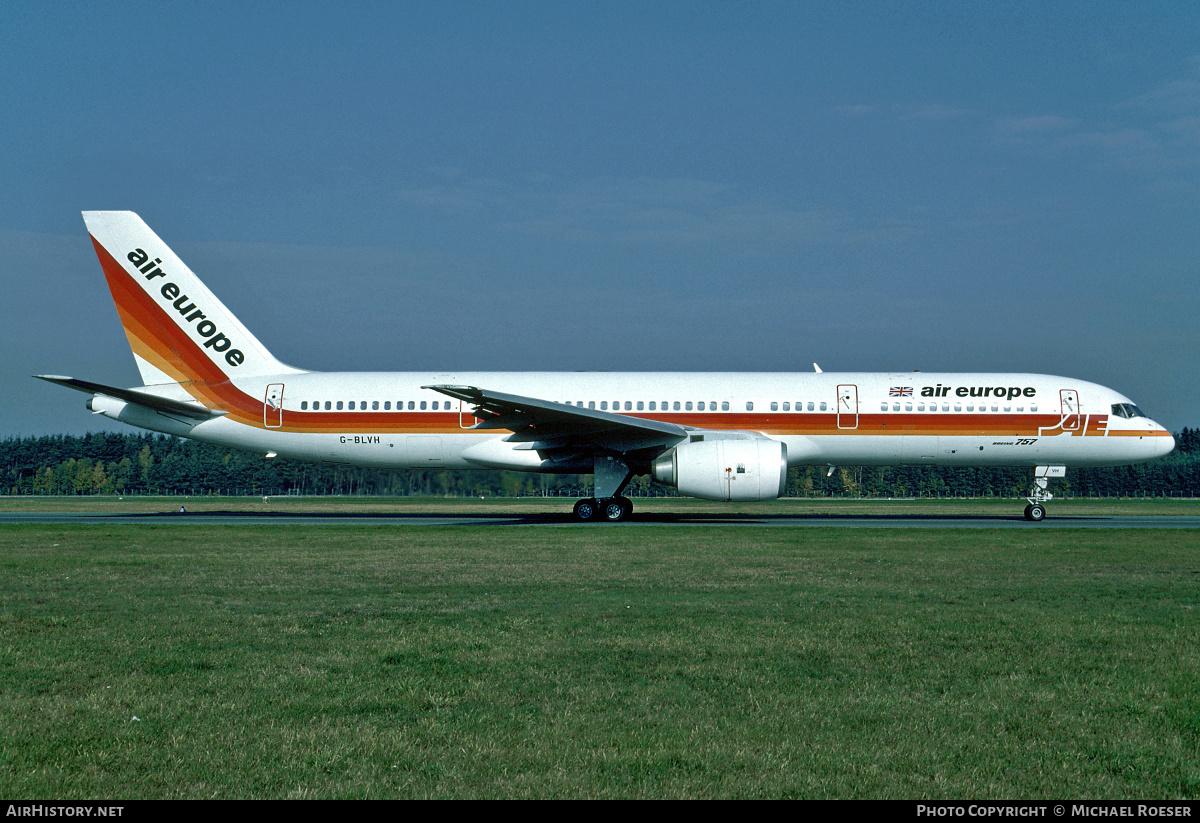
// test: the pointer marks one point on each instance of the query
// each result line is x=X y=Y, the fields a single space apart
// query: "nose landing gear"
x=1038 y=497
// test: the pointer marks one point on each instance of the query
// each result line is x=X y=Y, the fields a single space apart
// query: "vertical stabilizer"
x=178 y=330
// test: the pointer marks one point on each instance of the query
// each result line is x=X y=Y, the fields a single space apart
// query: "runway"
x=847 y=521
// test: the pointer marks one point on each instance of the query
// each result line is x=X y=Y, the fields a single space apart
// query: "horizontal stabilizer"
x=150 y=401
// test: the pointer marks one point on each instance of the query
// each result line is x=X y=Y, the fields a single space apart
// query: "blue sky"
x=617 y=186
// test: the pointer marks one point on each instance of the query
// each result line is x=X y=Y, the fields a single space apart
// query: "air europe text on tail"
x=178 y=330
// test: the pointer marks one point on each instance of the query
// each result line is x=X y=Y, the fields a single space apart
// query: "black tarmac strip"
x=882 y=521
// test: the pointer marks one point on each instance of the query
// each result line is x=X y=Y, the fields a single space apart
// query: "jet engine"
x=749 y=469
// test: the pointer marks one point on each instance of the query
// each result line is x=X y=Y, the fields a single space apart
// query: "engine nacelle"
x=753 y=469
x=107 y=406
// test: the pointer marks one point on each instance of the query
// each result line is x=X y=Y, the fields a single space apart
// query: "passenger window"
x=920 y=407
x=422 y=405
x=724 y=405
x=374 y=405
x=676 y=405
x=603 y=405
x=387 y=405
x=749 y=405
x=823 y=406
x=652 y=405
x=351 y=405
x=883 y=406
x=774 y=406
x=688 y=405
x=303 y=405
x=339 y=405
x=328 y=404
x=908 y=406
x=958 y=407
x=591 y=404
x=641 y=405
x=810 y=405
x=628 y=406
x=787 y=406
x=411 y=405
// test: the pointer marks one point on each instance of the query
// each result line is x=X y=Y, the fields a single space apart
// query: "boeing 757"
x=716 y=436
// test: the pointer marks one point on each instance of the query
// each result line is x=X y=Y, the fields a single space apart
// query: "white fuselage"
x=379 y=419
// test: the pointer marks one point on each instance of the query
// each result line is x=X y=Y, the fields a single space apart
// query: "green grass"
x=578 y=661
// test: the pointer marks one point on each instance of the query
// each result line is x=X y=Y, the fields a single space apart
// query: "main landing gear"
x=610 y=510
x=612 y=475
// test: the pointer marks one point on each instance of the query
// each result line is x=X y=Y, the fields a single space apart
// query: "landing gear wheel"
x=1035 y=512
x=587 y=509
x=616 y=509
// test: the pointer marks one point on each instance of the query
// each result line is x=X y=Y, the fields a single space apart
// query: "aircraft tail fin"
x=179 y=331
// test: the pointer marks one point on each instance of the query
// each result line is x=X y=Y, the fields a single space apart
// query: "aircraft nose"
x=1167 y=445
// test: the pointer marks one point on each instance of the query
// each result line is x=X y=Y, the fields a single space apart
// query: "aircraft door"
x=465 y=419
x=273 y=406
x=1071 y=413
x=847 y=406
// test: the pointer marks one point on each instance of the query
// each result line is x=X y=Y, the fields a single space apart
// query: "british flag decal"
x=900 y=391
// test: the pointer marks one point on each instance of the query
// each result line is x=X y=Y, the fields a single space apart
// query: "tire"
x=586 y=510
x=1035 y=512
x=616 y=509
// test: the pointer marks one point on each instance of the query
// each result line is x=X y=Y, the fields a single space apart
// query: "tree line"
x=108 y=463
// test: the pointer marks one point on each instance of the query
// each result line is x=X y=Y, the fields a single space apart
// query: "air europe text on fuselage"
x=207 y=329
x=999 y=392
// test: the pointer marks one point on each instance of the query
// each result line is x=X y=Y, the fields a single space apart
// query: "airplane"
x=716 y=436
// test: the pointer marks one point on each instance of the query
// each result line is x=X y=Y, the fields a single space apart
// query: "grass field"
x=152 y=662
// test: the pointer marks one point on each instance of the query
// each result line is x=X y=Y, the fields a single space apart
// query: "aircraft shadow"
x=564 y=518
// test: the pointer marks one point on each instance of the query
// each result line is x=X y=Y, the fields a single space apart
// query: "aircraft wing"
x=546 y=425
x=150 y=401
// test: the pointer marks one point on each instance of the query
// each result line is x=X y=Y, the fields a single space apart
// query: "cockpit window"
x=1126 y=410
